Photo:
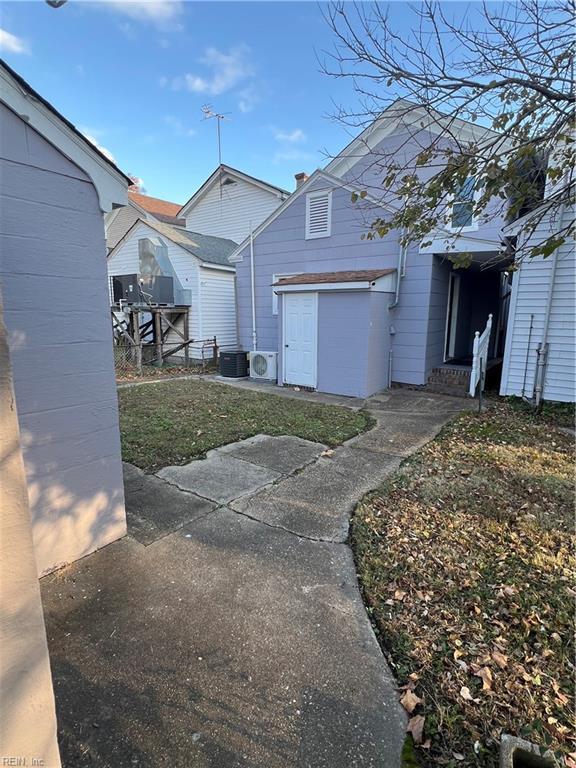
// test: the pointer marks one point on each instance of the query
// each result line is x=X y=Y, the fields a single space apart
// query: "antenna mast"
x=210 y=114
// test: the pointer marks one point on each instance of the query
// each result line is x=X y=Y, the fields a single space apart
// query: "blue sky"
x=134 y=76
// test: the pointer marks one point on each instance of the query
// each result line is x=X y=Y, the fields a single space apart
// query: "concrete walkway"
x=227 y=629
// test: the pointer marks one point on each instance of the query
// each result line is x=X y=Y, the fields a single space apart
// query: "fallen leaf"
x=328 y=453
x=410 y=701
x=486 y=676
x=465 y=693
x=458 y=756
x=416 y=728
x=500 y=659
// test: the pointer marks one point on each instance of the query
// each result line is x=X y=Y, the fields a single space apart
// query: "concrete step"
x=446 y=389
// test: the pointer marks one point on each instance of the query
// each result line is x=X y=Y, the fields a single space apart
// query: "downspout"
x=253 y=289
x=543 y=346
x=400 y=272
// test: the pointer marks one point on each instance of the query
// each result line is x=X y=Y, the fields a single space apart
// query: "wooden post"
x=186 y=338
x=135 y=318
x=158 y=338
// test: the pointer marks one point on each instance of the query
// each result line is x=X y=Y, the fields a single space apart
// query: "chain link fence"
x=133 y=361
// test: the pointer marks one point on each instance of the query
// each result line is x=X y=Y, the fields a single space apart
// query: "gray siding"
x=417 y=324
x=343 y=342
x=53 y=273
x=282 y=248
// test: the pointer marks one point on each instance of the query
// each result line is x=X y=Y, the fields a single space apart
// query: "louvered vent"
x=318 y=214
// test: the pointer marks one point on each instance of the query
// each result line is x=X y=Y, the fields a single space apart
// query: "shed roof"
x=207 y=248
x=346 y=276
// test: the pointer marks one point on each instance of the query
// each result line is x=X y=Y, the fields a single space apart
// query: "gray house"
x=347 y=315
x=54 y=188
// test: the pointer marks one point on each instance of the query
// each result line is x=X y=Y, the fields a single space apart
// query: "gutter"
x=543 y=346
x=253 y=289
x=400 y=273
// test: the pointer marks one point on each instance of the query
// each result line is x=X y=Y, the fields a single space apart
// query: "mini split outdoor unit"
x=263 y=365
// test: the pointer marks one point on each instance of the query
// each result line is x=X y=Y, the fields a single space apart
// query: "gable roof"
x=333 y=181
x=207 y=248
x=403 y=113
x=19 y=96
x=228 y=171
x=163 y=210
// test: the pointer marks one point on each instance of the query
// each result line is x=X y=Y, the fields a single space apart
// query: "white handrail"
x=480 y=357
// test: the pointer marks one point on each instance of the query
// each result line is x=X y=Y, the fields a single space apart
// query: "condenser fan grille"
x=259 y=365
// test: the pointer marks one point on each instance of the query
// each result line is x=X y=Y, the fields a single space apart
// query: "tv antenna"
x=210 y=114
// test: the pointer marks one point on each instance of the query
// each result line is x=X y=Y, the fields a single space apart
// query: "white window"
x=462 y=216
x=318 y=214
x=275 y=279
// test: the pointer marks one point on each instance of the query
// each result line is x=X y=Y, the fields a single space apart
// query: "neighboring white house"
x=118 y=221
x=199 y=267
x=540 y=352
x=229 y=203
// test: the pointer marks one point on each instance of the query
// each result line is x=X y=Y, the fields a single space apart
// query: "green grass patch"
x=466 y=561
x=174 y=422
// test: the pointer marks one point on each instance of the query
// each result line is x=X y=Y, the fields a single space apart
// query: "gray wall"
x=53 y=273
x=282 y=248
x=353 y=342
x=28 y=729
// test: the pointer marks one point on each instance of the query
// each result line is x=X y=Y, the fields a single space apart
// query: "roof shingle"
x=346 y=276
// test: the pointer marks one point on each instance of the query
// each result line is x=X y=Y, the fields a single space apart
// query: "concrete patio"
x=227 y=628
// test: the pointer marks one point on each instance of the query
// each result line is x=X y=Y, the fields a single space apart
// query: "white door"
x=300 y=325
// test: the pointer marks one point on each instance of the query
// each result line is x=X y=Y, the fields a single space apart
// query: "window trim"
x=310 y=196
x=473 y=226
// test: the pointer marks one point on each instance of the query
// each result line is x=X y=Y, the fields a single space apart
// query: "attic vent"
x=318 y=214
x=227 y=181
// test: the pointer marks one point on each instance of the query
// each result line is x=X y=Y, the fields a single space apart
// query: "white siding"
x=530 y=288
x=218 y=306
x=213 y=308
x=229 y=215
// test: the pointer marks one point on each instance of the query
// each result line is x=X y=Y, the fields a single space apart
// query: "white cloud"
x=156 y=11
x=297 y=136
x=178 y=126
x=226 y=70
x=12 y=44
x=292 y=156
x=248 y=98
x=105 y=152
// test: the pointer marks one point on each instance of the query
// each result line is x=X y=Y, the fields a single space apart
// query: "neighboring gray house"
x=348 y=315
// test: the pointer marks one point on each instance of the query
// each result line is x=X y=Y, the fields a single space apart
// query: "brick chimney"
x=300 y=178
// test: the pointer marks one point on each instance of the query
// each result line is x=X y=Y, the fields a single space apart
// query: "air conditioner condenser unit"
x=263 y=365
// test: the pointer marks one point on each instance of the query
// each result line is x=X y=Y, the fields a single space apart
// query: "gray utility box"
x=143 y=289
